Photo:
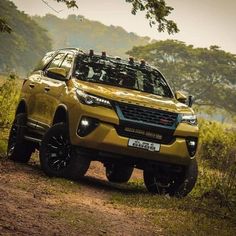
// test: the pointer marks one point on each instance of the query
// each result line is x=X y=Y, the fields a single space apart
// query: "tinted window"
x=46 y=59
x=56 y=62
x=67 y=63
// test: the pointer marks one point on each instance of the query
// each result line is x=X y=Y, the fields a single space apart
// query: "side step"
x=35 y=140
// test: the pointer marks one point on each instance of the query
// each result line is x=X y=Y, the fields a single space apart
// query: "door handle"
x=47 y=89
x=31 y=85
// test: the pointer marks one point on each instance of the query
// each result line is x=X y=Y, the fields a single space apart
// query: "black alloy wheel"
x=167 y=182
x=58 y=157
x=58 y=151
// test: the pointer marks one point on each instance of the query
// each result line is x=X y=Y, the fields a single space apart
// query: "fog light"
x=86 y=126
x=84 y=122
x=192 y=146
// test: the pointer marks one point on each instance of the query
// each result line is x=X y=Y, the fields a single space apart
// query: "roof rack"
x=69 y=48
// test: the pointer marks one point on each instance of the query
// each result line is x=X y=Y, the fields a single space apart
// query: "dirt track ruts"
x=33 y=204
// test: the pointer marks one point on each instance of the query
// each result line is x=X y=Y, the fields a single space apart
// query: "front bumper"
x=105 y=138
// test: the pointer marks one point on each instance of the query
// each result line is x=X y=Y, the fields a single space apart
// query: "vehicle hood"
x=134 y=97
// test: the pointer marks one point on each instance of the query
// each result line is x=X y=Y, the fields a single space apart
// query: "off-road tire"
x=58 y=157
x=178 y=185
x=19 y=149
x=117 y=173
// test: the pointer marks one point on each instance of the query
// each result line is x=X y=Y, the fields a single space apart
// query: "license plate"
x=154 y=147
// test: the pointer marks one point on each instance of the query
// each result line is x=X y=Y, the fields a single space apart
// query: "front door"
x=54 y=88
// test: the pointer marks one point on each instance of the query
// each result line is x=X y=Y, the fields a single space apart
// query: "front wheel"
x=58 y=157
x=175 y=184
x=19 y=149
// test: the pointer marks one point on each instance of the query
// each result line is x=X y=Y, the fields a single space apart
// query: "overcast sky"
x=201 y=22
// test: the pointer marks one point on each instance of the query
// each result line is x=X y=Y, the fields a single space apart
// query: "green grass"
x=74 y=217
x=196 y=214
x=188 y=216
x=61 y=185
x=3 y=147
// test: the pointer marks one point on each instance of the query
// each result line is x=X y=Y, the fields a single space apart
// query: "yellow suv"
x=77 y=107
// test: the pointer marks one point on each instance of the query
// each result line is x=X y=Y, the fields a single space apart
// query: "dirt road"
x=33 y=204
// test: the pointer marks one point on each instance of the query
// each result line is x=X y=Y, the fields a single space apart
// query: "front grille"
x=147 y=115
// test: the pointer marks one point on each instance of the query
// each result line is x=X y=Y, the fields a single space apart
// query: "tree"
x=4 y=27
x=208 y=74
x=27 y=43
x=156 y=12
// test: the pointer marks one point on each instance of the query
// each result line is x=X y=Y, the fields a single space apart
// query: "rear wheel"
x=118 y=173
x=172 y=183
x=19 y=149
x=58 y=157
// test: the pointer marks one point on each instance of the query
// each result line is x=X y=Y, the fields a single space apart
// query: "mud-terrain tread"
x=23 y=148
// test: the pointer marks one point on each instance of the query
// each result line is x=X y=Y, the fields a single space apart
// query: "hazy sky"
x=201 y=22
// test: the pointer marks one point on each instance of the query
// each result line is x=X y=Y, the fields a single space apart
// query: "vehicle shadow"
x=86 y=181
x=100 y=184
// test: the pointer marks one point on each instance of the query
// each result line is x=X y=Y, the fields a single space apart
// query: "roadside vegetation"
x=206 y=73
x=9 y=94
x=211 y=206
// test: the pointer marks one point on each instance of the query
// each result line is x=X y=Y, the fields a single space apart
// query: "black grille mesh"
x=148 y=115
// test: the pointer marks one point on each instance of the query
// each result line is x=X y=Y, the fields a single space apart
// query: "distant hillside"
x=77 y=31
x=28 y=42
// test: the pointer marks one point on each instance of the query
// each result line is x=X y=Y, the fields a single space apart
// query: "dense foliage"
x=77 y=31
x=4 y=27
x=208 y=74
x=156 y=13
x=218 y=153
x=21 y=49
x=9 y=95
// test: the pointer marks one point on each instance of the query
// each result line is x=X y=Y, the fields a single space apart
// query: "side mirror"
x=56 y=73
x=180 y=97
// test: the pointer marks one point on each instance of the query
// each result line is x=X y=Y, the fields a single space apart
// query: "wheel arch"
x=61 y=115
x=21 y=108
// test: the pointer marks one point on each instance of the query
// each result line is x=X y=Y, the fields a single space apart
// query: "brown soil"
x=33 y=204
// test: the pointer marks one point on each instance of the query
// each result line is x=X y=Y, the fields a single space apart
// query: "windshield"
x=122 y=74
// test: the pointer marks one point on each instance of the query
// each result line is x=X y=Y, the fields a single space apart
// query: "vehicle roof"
x=114 y=59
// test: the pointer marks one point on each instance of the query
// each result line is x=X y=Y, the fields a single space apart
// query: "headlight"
x=89 y=99
x=190 y=119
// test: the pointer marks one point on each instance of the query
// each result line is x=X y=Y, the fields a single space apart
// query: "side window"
x=46 y=59
x=56 y=62
x=67 y=63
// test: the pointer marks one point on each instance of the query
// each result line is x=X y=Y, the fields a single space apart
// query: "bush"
x=216 y=141
x=217 y=154
x=9 y=95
